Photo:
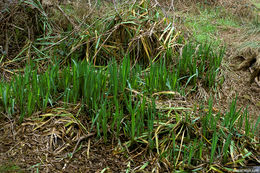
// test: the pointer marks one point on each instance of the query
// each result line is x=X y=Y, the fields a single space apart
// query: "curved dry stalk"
x=256 y=78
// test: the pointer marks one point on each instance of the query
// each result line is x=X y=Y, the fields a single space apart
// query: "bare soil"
x=238 y=82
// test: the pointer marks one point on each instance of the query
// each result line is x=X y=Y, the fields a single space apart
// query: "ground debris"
x=251 y=61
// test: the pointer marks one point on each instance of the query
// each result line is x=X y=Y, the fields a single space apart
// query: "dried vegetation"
x=19 y=23
x=115 y=78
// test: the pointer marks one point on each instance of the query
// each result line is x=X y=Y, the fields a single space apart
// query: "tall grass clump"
x=117 y=102
x=82 y=81
x=160 y=77
x=138 y=30
x=199 y=62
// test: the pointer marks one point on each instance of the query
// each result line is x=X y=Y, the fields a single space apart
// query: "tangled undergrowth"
x=19 y=23
x=121 y=77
